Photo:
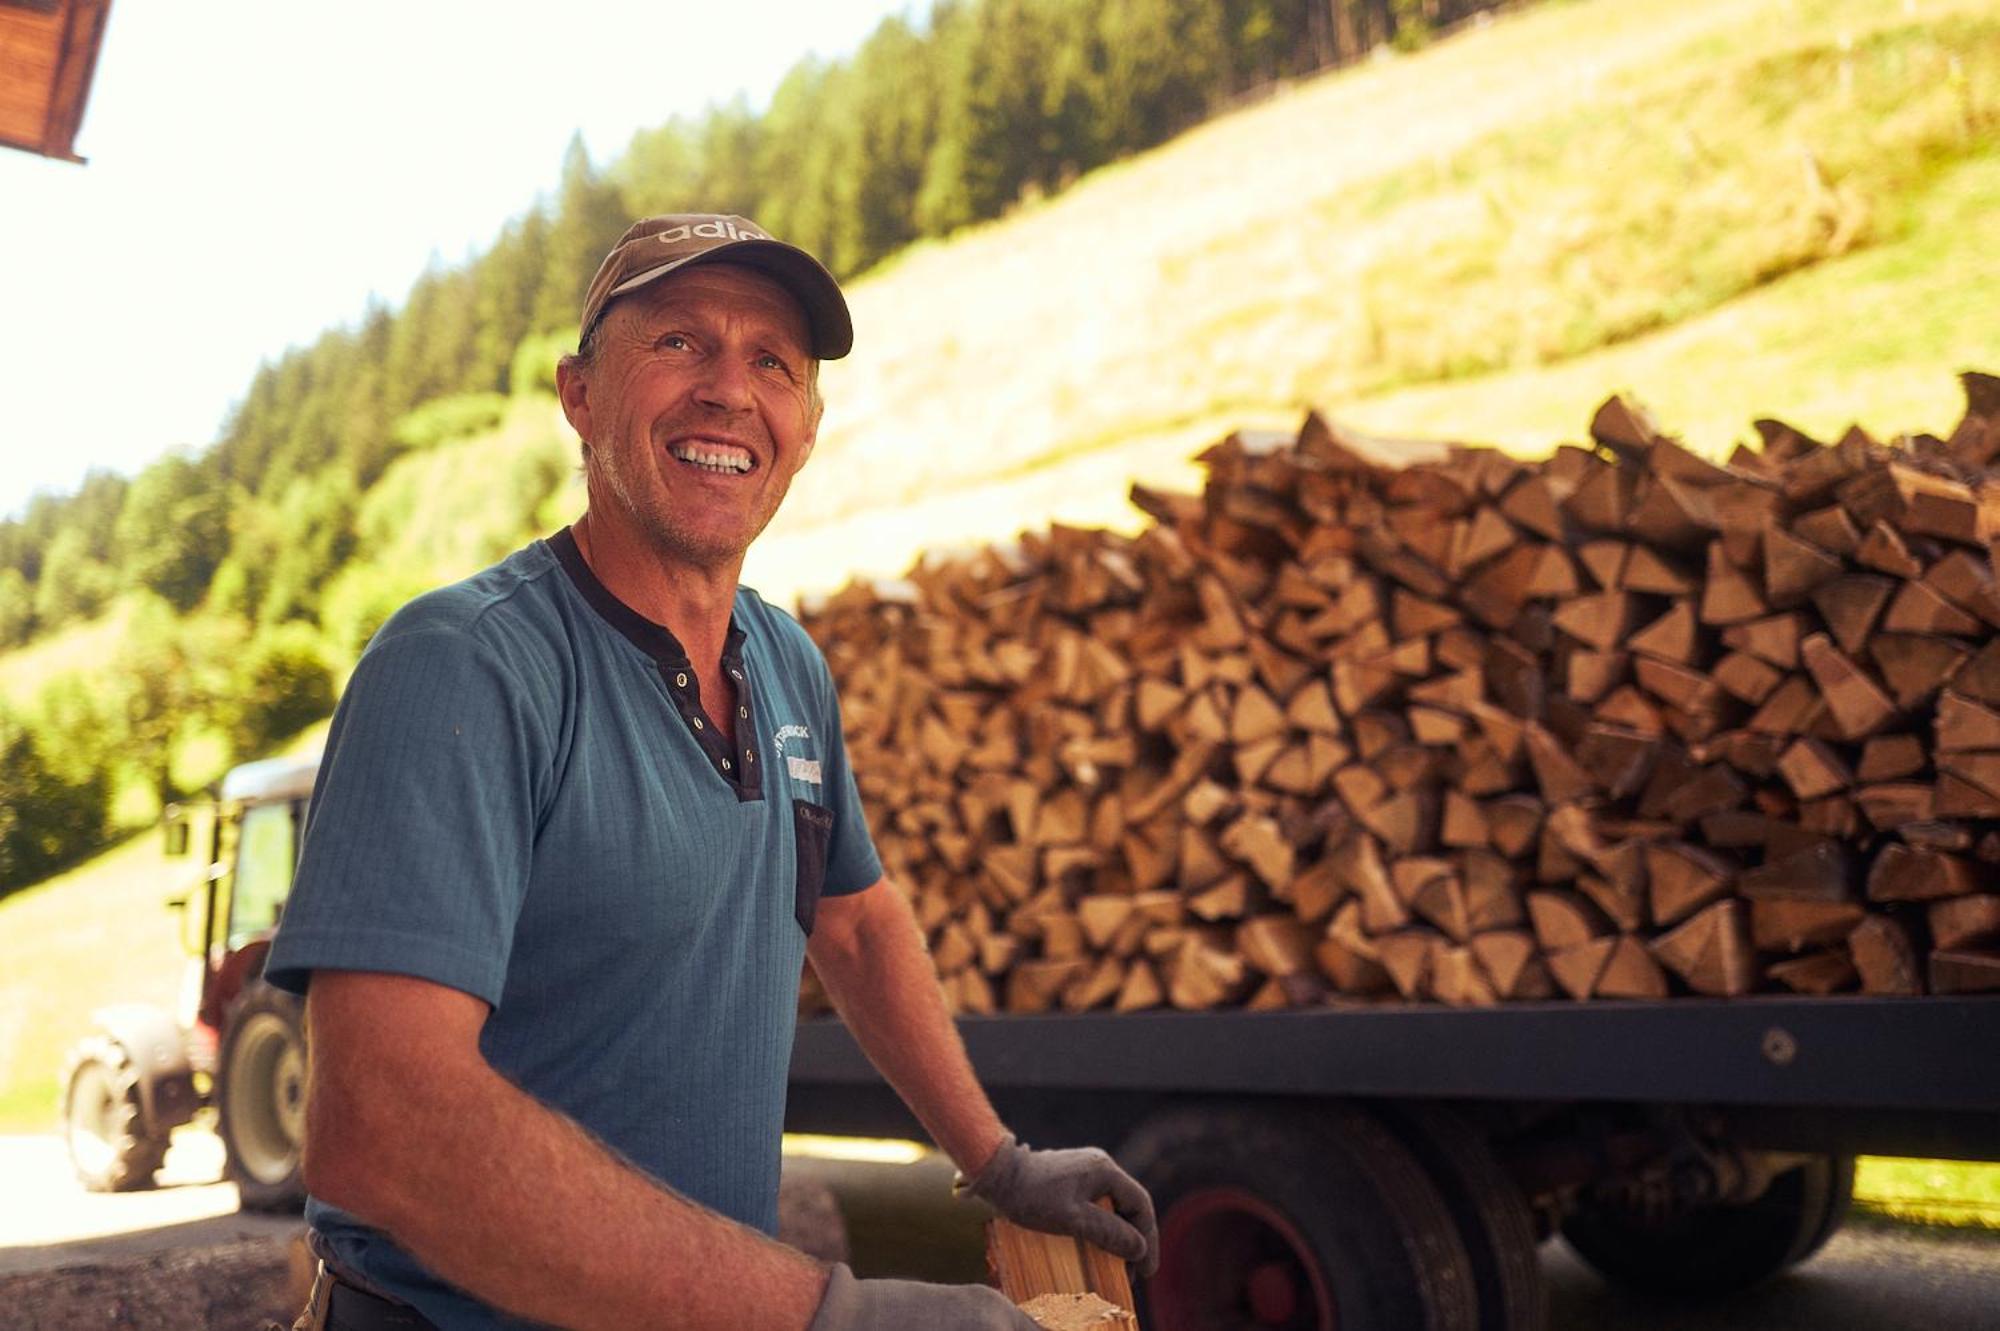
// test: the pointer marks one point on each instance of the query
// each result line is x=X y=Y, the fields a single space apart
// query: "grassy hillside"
x=1735 y=208
x=75 y=650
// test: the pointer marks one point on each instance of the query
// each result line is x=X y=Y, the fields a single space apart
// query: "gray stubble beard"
x=666 y=539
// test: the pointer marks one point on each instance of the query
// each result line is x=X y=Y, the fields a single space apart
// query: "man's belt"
x=337 y=1305
x=352 y=1309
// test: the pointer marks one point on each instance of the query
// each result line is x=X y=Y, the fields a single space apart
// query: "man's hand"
x=1056 y=1192
x=906 y=1305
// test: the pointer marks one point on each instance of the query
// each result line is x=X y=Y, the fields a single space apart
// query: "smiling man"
x=580 y=821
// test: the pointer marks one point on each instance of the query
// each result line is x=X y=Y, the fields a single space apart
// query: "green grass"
x=1875 y=337
x=1929 y=1192
x=97 y=935
x=1645 y=208
x=79 y=648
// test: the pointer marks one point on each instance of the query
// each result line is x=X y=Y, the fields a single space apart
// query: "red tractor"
x=237 y=1044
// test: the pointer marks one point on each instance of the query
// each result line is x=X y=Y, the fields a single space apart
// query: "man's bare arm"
x=412 y=1131
x=868 y=951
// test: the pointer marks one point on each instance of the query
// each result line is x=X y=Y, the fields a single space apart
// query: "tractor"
x=237 y=1044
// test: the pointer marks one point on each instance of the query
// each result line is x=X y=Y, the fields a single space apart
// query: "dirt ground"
x=181 y=1257
x=221 y=1287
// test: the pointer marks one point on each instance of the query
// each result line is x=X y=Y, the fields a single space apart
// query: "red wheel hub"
x=1227 y=1258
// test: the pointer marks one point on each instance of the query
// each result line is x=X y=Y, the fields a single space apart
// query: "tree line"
x=230 y=550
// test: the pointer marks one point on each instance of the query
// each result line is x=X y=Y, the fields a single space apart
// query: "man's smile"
x=719 y=458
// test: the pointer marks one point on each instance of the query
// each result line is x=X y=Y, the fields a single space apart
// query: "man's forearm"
x=501 y=1196
x=870 y=956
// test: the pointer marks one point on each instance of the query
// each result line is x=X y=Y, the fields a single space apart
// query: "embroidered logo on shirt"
x=801 y=769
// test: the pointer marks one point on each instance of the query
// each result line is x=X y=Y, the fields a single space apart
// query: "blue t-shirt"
x=523 y=799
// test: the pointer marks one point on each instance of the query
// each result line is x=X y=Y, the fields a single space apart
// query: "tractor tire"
x=104 y=1123
x=260 y=1092
x=1300 y=1219
x=1715 y=1250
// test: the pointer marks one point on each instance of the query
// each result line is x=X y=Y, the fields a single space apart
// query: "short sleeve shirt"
x=523 y=798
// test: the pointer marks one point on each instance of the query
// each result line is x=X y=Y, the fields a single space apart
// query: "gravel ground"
x=1872 y=1276
x=47 y=1220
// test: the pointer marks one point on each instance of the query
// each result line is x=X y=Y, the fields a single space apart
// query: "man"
x=580 y=819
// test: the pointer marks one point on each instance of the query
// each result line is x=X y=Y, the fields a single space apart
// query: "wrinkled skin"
x=712 y=358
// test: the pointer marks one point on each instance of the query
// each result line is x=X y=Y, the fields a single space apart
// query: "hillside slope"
x=1522 y=212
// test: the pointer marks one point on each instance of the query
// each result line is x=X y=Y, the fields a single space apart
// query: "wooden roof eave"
x=74 y=37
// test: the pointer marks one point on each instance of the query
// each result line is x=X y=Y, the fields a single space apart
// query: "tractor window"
x=266 y=851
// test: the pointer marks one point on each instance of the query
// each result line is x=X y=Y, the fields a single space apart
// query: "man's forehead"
x=724 y=288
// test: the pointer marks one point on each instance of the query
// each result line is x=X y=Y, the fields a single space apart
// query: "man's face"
x=696 y=411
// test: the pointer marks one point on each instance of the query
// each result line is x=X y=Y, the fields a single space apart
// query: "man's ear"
x=812 y=433
x=573 y=388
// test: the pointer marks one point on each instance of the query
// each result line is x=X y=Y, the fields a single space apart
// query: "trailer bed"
x=1931 y=1065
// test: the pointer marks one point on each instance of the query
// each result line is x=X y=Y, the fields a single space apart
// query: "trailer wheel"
x=1717 y=1249
x=1839 y=1199
x=1492 y=1214
x=1293 y=1219
x=104 y=1124
x=261 y=1092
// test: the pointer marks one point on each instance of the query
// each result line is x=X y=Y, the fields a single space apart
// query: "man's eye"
x=673 y=342
x=770 y=362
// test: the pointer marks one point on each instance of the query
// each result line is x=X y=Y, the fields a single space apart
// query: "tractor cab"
x=253 y=829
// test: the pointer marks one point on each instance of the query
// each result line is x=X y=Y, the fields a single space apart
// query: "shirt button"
x=743 y=711
x=725 y=764
x=697 y=723
x=736 y=674
x=749 y=756
x=681 y=680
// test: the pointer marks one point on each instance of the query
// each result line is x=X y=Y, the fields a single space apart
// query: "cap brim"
x=798 y=272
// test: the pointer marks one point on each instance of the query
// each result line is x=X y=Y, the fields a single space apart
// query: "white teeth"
x=722 y=461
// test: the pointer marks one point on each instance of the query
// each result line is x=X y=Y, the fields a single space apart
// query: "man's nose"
x=725 y=383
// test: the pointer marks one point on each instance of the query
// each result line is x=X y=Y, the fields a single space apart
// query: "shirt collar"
x=655 y=640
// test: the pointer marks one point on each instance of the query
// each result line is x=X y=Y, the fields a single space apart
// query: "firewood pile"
x=1619 y=724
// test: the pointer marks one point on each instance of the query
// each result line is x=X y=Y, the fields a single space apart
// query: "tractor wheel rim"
x=1230 y=1259
x=92 y=1122
x=267 y=1099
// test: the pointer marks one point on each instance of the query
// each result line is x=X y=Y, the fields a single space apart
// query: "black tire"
x=1492 y=1214
x=1303 y=1220
x=260 y=1090
x=1717 y=1249
x=1838 y=1201
x=104 y=1123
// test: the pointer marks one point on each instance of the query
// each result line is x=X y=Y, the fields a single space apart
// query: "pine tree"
x=588 y=219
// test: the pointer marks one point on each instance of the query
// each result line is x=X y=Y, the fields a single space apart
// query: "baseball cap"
x=655 y=246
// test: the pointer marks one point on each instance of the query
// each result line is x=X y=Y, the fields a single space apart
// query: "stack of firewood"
x=1622 y=723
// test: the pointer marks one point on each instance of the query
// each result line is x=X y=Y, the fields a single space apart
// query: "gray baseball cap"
x=656 y=246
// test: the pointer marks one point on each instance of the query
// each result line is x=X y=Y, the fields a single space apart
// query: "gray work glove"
x=1056 y=1192
x=908 y=1305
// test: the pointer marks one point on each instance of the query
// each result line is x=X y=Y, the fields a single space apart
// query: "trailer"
x=1394 y=1167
